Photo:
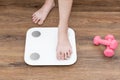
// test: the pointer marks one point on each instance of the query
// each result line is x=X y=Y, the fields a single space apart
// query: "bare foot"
x=40 y=15
x=64 y=49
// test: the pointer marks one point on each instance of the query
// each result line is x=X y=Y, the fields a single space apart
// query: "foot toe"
x=69 y=53
x=58 y=55
x=63 y=56
x=35 y=18
x=36 y=21
x=40 y=22
x=66 y=55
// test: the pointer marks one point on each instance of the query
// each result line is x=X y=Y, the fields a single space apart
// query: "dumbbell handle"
x=104 y=42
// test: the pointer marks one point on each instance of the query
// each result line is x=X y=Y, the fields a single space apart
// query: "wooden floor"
x=15 y=20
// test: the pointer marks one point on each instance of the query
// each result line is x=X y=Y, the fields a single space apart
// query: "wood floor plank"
x=81 y=5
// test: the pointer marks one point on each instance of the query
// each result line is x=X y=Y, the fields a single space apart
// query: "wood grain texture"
x=15 y=20
x=81 y=5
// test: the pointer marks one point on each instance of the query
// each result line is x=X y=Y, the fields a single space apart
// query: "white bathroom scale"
x=40 y=47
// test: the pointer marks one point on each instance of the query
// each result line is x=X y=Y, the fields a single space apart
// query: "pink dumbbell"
x=110 y=43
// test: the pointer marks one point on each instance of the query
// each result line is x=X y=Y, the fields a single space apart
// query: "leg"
x=40 y=15
x=64 y=48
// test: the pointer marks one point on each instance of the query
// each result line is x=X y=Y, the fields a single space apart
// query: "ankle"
x=63 y=27
x=47 y=6
x=63 y=24
x=50 y=3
